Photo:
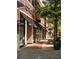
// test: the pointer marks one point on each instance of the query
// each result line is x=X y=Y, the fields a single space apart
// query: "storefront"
x=38 y=33
x=25 y=30
x=21 y=31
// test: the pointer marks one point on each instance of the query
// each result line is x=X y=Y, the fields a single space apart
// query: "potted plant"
x=57 y=44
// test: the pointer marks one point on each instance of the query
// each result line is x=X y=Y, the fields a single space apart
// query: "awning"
x=42 y=24
x=36 y=24
x=25 y=13
x=28 y=17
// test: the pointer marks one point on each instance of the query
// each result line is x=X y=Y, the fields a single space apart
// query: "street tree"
x=52 y=11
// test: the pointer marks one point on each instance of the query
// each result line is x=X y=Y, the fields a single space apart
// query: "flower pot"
x=57 y=44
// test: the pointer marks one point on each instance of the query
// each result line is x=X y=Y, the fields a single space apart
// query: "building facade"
x=30 y=29
x=25 y=21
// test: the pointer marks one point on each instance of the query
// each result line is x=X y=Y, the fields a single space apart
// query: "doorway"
x=22 y=31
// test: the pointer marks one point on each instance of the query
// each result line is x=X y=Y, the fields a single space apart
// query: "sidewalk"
x=38 y=45
x=36 y=53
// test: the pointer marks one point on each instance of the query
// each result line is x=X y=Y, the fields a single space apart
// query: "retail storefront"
x=25 y=27
x=22 y=31
x=38 y=33
x=25 y=31
x=29 y=31
x=24 y=23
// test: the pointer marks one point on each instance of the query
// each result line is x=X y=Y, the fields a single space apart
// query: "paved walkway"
x=38 y=45
x=35 y=53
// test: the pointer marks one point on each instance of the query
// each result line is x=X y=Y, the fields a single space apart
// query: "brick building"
x=30 y=29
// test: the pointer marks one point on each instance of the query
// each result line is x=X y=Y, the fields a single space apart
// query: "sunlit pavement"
x=38 y=53
x=37 y=45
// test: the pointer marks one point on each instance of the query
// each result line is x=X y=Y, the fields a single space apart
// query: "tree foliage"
x=51 y=9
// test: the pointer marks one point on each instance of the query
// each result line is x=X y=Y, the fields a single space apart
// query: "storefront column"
x=32 y=34
x=25 y=32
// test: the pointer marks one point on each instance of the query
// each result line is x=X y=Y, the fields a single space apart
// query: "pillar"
x=25 y=32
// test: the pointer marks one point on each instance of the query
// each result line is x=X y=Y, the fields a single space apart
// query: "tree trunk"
x=45 y=27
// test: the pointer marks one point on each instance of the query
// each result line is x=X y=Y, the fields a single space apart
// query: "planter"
x=57 y=44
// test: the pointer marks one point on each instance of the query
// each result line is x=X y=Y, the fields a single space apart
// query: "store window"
x=22 y=30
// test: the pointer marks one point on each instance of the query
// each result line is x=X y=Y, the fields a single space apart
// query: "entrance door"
x=22 y=31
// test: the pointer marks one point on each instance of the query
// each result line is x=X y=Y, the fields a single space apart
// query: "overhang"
x=25 y=13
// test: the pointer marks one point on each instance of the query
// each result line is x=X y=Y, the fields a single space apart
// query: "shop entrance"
x=22 y=31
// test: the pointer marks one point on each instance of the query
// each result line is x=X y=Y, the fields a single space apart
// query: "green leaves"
x=51 y=8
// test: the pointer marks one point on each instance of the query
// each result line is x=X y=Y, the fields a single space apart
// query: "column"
x=25 y=32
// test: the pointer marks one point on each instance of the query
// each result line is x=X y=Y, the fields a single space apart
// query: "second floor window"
x=33 y=2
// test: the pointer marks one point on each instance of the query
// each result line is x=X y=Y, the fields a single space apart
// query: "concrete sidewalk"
x=36 y=53
x=38 y=45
